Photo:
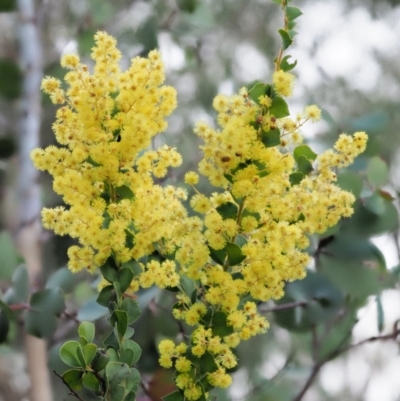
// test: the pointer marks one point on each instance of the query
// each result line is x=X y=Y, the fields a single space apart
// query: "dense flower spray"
x=272 y=192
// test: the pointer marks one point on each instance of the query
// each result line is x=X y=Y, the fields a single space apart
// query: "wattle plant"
x=272 y=192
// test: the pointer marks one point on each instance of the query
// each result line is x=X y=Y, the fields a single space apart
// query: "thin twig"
x=289 y=305
x=72 y=392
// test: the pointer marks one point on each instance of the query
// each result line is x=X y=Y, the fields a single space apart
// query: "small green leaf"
x=81 y=358
x=380 y=313
x=207 y=363
x=285 y=65
x=292 y=13
x=131 y=307
x=377 y=172
x=90 y=381
x=130 y=396
x=228 y=210
x=304 y=165
x=50 y=300
x=279 y=107
x=106 y=296
x=218 y=256
x=133 y=380
x=127 y=357
x=111 y=341
x=86 y=330
x=89 y=352
x=91 y=311
x=286 y=39
x=256 y=89
x=117 y=393
x=304 y=150
x=271 y=138
x=100 y=360
x=40 y=324
x=134 y=266
x=129 y=239
x=92 y=162
x=116 y=372
x=133 y=346
x=69 y=354
x=73 y=378
x=124 y=192
x=125 y=277
x=109 y=270
x=235 y=254
x=119 y=318
x=296 y=178
x=375 y=204
x=62 y=278
x=219 y=325
x=177 y=395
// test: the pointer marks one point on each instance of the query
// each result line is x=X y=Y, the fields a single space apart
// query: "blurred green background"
x=347 y=53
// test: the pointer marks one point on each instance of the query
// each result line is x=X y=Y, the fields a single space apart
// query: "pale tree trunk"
x=29 y=204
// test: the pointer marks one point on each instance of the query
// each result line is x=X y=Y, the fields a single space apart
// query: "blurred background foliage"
x=351 y=292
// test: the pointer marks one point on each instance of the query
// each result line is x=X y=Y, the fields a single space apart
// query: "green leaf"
x=91 y=311
x=207 y=363
x=256 y=89
x=377 y=172
x=89 y=352
x=119 y=318
x=130 y=396
x=109 y=270
x=292 y=13
x=100 y=360
x=285 y=65
x=129 y=239
x=117 y=393
x=123 y=192
x=40 y=324
x=63 y=278
x=375 y=203
x=116 y=372
x=304 y=165
x=177 y=395
x=286 y=39
x=73 y=378
x=271 y=138
x=219 y=325
x=133 y=346
x=304 y=150
x=4 y=326
x=111 y=341
x=133 y=380
x=279 y=107
x=218 y=256
x=129 y=333
x=277 y=1
x=131 y=307
x=20 y=284
x=50 y=300
x=228 y=210
x=134 y=266
x=69 y=354
x=351 y=182
x=90 y=381
x=125 y=277
x=86 y=330
x=106 y=296
x=296 y=178
x=235 y=254
x=127 y=357
x=81 y=358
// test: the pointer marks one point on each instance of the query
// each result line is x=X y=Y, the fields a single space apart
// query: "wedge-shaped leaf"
x=123 y=192
x=20 y=284
x=40 y=324
x=111 y=341
x=271 y=138
x=134 y=266
x=286 y=39
x=285 y=65
x=207 y=363
x=351 y=182
x=228 y=210
x=62 y=278
x=279 y=107
x=219 y=325
x=133 y=380
x=130 y=396
x=377 y=172
x=73 y=378
x=117 y=393
x=375 y=203
x=69 y=354
x=304 y=165
x=116 y=372
x=296 y=178
x=131 y=307
x=256 y=89
x=133 y=346
x=89 y=352
x=127 y=357
x=235 y=254
x=90 y=381
x=292 y=13
x=109 y=270
x=125 y=277
x=106 y=296
x=119 y=319
x=218 y=256
x=86 y=330
x=304 y=150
